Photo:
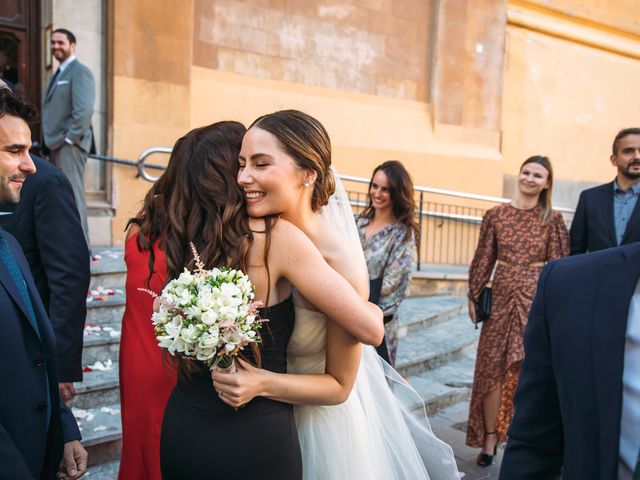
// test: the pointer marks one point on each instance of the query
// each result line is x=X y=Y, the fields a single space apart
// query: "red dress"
x=146 y=381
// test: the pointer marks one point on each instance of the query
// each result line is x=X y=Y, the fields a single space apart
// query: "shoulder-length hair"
x=402 y=199
x=544 y=200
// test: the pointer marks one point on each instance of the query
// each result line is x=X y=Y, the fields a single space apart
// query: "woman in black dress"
x=199 y=201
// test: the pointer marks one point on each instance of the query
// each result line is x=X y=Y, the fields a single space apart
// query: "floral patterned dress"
x=517 y=245
x=389 y=256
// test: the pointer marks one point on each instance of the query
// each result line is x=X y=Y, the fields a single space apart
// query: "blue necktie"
x=636 y=473
x=6 y=256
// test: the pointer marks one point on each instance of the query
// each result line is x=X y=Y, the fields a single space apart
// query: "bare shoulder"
x=343 y=254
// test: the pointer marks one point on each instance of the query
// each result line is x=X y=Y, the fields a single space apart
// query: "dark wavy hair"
x=197 y=200
x=544 y=200
x=11 y=104
x=306 y=140
x=402 y=199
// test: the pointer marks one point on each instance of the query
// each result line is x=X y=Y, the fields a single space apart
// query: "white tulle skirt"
x=373 y=434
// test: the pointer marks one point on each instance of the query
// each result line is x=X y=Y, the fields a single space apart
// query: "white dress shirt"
x=630 y=424
x=64 y=64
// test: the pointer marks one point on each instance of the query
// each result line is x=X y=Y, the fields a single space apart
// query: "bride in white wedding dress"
x=350 y=420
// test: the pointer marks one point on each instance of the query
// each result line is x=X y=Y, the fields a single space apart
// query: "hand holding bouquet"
x=209 y=315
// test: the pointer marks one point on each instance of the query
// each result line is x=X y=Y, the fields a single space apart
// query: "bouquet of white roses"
x=209 y=315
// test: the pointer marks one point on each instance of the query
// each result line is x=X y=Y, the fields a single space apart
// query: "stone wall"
x=379 y=47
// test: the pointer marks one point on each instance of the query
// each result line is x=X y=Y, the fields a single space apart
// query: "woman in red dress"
x=146 y=379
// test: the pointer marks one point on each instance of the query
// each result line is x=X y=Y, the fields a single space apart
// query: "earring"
x=306 y=183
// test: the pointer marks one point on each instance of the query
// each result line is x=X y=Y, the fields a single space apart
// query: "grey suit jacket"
x=68 y=107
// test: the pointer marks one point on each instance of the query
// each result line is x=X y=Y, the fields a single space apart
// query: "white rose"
x=209 y=317
x=205 y=298
x=185 y=278
x=165 y=341
x=173 y=327
x=229 y=290
x=227 y=313
x=190 y=334
x=205 y=354
x=159 y=317
x=185 y=298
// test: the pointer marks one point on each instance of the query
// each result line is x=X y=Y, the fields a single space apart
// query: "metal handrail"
x=452 y=193
x=141 y=165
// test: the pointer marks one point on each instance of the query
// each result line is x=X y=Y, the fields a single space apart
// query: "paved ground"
x=449 y=425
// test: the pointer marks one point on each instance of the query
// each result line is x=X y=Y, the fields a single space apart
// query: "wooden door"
x=20 y=49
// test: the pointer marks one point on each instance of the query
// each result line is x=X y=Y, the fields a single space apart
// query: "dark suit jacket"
x=569 y=397
x=593 y=227
x=47 y=226
x=27 y=447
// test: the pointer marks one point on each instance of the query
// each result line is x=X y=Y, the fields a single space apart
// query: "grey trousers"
x=71 y=160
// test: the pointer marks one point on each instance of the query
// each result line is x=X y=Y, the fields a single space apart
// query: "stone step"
x=101 y=432
x=109 y=268
x=98 y=387
x=443 y=386
x=106 y=310
x=101 y=343
x=104 y=471
x=416 y=313
x=436 y=345
x=437 y=279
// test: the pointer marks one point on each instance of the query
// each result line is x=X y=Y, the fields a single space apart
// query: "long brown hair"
x=544 y=200
x=402 y=199
x=197 y=200
x=306 y=140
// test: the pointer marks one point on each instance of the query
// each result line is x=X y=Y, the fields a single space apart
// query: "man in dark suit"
x=609 y=215
x=66 y=116
x=37 y=430
x=46 y=224
x=577 y=406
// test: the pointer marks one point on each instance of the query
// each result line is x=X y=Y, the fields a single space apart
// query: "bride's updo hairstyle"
x=305 y=140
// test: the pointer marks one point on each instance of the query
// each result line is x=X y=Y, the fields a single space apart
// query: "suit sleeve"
x=578 y=233
x=13 y=464
x=65 y=260
x=535 y=449
x=70 y=430
x=83 y=94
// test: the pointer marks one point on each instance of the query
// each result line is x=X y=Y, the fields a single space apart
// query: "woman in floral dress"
x=516 y=239
x=388 y=231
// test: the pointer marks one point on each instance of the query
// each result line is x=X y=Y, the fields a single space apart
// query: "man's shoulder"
x=46 y=172
x=12 y=242
x=598 y=189
x=77 y=66
x=577 y=265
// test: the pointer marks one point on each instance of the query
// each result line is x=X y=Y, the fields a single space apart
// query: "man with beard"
x=37 y=429
x=609 y=215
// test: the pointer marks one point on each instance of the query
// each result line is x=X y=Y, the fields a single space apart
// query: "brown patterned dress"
x=512 y=240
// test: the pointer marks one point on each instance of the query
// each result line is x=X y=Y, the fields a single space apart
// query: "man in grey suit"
x=66 y=116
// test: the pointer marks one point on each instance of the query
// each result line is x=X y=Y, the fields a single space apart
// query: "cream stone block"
x=566 y=101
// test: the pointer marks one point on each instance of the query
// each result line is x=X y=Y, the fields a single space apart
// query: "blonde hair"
x=544 y=200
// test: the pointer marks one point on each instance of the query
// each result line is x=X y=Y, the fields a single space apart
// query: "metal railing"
x=448 y=231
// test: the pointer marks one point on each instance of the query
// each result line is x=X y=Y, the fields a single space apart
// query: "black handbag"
x=483 y=305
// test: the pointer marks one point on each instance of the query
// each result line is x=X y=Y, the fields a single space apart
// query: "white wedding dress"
x=369 y=436
x=372 y=435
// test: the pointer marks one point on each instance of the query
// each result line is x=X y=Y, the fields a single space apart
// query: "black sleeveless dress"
x=204 y=438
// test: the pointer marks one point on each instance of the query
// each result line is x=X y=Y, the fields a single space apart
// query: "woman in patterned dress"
x=516 y=239
x=388 y=232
